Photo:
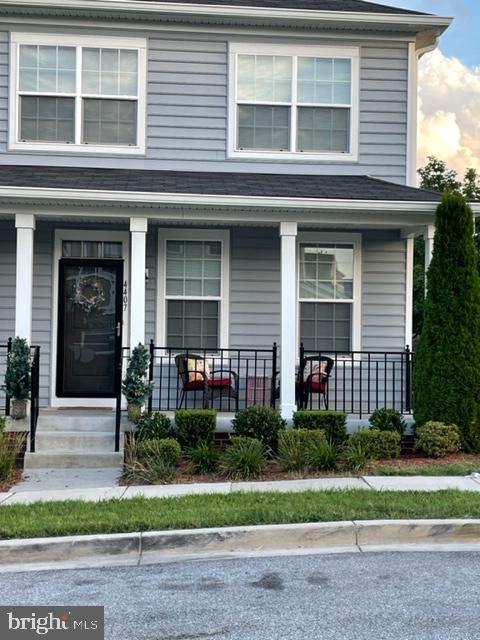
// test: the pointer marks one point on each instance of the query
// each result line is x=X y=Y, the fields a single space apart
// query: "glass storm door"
x=89 y=328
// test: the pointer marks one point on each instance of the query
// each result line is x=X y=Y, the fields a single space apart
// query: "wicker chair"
x=218 y=383
x=313 y=376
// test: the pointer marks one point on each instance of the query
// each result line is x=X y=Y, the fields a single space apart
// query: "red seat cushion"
x=318 y=387
x=194 y=385
x=219 y=382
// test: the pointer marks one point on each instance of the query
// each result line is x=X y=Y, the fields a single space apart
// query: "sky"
x=449 y=86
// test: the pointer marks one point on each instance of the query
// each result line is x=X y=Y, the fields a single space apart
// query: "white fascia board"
x=215 y=11
x=140 y=197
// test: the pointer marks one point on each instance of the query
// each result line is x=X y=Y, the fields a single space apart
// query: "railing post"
x=150 y=374
x=301 y=378
x=34 y=393
x=118 y=403
x=274 y=375
x=7 y=398
x=408 y=380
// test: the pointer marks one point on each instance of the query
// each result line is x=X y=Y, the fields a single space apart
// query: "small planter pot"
x=18 y=409
x=134 y=412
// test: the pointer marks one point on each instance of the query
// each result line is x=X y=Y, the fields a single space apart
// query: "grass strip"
x=189 y=512
x=450 y=469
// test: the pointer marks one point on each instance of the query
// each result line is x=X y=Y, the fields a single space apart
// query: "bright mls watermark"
x=60 y=623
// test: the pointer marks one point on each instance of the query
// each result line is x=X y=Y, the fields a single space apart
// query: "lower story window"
x=326 y=296
x=194 y=285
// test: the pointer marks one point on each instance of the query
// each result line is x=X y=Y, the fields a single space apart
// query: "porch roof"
x=141 y=181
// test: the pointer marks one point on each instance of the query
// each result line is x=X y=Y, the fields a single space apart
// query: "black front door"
x=89 y=328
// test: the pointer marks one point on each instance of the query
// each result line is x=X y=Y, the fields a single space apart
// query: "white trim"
x=288 y=318
x=222 y=236
x=138 y=265
x=25 y=235
x=293 y=51
x=389 y=20
x=83 y=234
x=201 y=199
x=78 y=42
x=412 y=126
x=409 y=257
x=338 y=238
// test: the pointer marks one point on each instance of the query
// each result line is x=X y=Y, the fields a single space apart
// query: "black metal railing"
x=4 y=399
x=359 y=381
x=34 y=395
x=228 y=380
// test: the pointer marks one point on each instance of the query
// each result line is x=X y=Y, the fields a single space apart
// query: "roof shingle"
x=334 y=187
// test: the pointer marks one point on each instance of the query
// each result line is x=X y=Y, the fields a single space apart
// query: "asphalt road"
x=404 y=596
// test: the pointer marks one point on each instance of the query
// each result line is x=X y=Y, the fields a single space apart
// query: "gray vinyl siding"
x=383 y=294
x=43 y=304
x=187 y=110
x=7 y=281
x=254 y=288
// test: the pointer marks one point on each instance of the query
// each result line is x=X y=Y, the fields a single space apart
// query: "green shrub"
x=3 y=424
x=295 y=447
x=11 y=445
x=334 y=423
x=135 y=386
x=447 y=372
x=356 y=456
x=18 y=373
x=159 y=459
x=154 y=426
x=378 y=444
x=388 y=420
x=194 y=426
x=323 y=456
x=437 y=440
x=205 y=458
x=262 y=423
x=245 y=458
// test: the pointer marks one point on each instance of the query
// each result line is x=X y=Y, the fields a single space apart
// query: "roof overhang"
x=220 y=14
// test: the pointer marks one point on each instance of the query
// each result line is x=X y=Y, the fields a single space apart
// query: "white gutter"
x=178 y=8
x=188 y=199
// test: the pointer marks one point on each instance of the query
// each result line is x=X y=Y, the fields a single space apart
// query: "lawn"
x=143 y=514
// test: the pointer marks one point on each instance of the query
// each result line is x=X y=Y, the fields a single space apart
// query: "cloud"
x=449 y=112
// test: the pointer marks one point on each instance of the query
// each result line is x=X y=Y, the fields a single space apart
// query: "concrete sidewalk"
x=17 y=495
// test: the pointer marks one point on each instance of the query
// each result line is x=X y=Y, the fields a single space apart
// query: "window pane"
x=192 y=324
x=109 y=122
x=111 y=72
x=323 y=129
x=47 y=69
x=194 y=268
x=264 y=78
x=47 y=119
x=326 y=272
x=325 y=326
x=324 y=80
x=264 y=128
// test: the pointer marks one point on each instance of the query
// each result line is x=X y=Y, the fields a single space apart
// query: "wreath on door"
x=88 y=294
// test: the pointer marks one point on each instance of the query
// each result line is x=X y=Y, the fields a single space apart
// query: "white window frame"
x=205 y=235
x=293 y=51
x=354 y=239
x=79 y=42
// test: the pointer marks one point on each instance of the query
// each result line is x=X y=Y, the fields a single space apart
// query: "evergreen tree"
x=447 y=371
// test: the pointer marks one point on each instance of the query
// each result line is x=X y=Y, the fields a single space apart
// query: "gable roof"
x=362 y=6
x=203 y=183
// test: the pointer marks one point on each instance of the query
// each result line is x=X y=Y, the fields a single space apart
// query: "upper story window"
x=293 y=102
x=77 y=92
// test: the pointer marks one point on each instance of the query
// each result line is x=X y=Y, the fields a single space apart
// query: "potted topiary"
x=136 y=388
x=17 y=377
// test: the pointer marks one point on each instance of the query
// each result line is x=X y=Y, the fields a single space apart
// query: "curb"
x=161 y=546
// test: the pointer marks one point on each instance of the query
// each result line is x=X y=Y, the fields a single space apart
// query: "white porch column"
x=25 y=225
x=288 y=343
x=138 y=233
x=428 y=234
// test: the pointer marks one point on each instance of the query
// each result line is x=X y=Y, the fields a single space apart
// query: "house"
x=213 y=177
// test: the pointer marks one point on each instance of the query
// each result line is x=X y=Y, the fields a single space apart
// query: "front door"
x=89 y=328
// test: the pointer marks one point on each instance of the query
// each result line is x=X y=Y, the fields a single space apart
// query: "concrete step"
x=72 y=459
x=79 y=421
x=46 y=441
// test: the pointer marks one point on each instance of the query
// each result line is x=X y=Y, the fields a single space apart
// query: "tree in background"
x=447 y=371
x=436 y=176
